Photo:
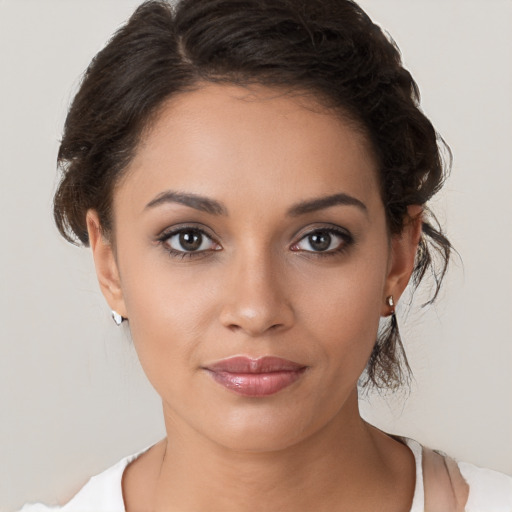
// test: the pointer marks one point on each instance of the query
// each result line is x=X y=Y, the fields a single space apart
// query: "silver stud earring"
x=391 y=303
x=118 y=319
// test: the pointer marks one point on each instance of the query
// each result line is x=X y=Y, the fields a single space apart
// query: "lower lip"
x=257 y=384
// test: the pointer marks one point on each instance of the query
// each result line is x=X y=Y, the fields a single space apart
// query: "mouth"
x=255 y=377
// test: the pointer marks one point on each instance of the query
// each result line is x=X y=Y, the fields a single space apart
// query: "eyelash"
x=167 y=234
x=348 y=240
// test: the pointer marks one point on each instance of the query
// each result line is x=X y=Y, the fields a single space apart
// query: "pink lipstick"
x=255 y=377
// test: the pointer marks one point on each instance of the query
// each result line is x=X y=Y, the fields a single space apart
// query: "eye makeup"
x=195 y=242
x=322 y=239
x=190 y=241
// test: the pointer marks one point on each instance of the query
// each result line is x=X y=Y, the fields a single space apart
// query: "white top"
x=490 y=491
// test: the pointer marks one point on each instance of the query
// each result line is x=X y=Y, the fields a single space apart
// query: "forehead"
x=231 y=142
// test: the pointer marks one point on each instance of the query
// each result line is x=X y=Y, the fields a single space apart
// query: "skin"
x=258 y=288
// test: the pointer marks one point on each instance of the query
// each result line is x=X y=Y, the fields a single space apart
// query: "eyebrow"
x=195 y=201
x=313 y=205
x=213 y=207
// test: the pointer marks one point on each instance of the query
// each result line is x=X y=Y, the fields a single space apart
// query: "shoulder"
x=488 y=489
x=443 y=483
x=102 y=492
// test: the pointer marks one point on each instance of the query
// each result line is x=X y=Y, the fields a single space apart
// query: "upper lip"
x=244 y=364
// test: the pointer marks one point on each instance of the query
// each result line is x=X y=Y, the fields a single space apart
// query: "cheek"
x=341 y=310
x=169 y=310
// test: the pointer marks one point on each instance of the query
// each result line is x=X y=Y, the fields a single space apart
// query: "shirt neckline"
x=116 y=472
x=418 y=501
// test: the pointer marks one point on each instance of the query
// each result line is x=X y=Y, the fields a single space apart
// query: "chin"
x=260 y=440
x=261 y=427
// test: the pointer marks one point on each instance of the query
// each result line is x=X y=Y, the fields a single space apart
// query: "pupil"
x=320 y=241
x=190 y=240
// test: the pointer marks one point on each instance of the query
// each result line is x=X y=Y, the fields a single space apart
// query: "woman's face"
x=250 y=224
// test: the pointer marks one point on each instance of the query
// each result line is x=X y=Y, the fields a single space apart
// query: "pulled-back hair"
x=329 y=49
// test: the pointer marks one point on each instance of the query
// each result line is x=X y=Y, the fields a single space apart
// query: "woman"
x=253 y=178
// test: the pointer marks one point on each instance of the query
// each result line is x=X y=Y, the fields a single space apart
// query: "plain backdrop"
x=73 y=399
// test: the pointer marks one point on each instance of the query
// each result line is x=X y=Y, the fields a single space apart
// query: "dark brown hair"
x=328 y=48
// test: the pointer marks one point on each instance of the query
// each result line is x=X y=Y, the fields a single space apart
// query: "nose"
x=256 y=300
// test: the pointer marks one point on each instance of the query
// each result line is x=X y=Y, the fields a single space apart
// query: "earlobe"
x=403 y=255
x=105 y=262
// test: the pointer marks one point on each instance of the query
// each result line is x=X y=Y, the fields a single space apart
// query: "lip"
x=259 y=377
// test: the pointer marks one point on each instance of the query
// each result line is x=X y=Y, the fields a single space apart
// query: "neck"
x=343 y=466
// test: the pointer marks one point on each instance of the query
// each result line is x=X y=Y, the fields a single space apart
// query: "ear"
x=403 y=254
x=106 y=265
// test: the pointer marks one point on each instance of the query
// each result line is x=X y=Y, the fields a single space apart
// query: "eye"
x=188 y=240
x=323 y=241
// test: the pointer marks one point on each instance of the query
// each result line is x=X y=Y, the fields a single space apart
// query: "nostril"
x=256 y=318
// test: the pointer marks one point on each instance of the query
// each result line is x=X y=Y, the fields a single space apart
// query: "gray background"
x=73 y=399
